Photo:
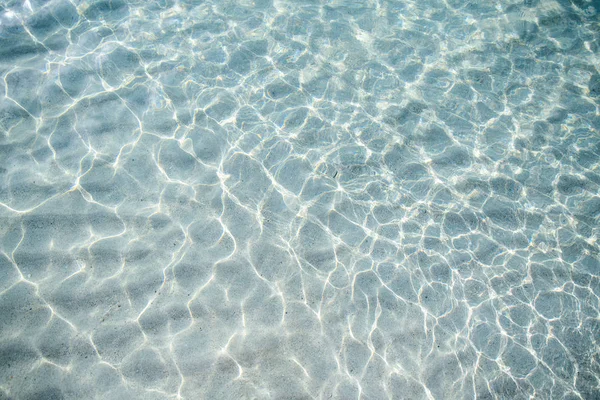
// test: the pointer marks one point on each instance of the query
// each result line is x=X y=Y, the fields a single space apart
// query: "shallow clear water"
x=299 y=199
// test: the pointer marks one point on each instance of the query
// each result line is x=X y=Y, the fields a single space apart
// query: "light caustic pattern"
x=299 y=199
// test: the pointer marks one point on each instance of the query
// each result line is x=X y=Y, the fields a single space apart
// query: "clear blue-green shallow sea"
x=299 y=199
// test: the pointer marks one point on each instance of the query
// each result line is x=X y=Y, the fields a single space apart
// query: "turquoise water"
x=280 y=199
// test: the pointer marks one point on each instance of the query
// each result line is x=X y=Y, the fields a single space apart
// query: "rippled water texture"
x=299 y=199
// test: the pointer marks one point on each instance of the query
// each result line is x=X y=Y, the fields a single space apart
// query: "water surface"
x=299 y=199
